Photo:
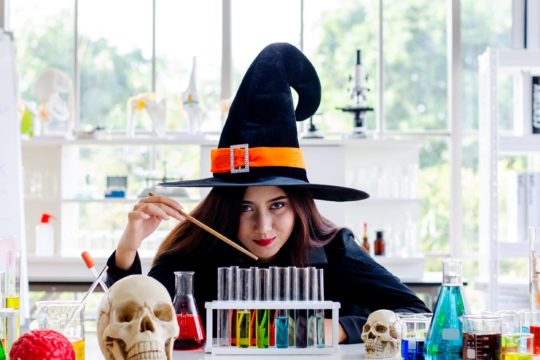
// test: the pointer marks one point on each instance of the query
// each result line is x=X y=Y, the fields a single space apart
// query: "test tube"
x=224 y=293
x=262 y=293
x=302 y=294
x=273 y=312
x=319 y=313
x=292 y=312
x=313 y=296
x=234 y=274
x=243 y=316
x=282 y=293
x=252 y=324
x=13 y=283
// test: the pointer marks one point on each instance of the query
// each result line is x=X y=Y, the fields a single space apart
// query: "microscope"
x=358 y=94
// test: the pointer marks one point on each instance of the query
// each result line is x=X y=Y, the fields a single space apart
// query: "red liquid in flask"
x=191 y=334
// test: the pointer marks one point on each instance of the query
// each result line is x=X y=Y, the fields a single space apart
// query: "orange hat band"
x=242 y=158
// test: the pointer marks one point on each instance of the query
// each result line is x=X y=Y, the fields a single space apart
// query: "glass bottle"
x=365 y=241
x=445 y=333
x=191 y=335
x=379 y=244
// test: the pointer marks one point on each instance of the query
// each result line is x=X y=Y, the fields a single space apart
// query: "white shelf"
x=123 y=140
x=516 y=60
x=519 y=144
x=513 y=249
x=67 y=269
x=119 y=200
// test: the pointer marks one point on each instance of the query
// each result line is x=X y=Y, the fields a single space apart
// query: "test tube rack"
x=211 y=346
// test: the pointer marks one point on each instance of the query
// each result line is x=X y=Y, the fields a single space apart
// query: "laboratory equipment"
x=282 y=293
x=529 y=322
x=91 y=265
x=243 y=316
x=224 y=292
x=445 y=333
x=13 y=283
x=522 y=346
x=263 y=292
x=481 y=337
x=301 y=292
x=191 y=335
x=414 y=329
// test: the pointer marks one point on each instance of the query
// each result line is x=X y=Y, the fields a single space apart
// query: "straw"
x=86 y=296
x=214 y=232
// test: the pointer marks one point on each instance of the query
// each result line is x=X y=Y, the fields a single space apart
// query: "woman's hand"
x=143 y=220
x=342 y=335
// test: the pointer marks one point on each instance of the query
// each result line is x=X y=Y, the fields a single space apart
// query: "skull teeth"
x=146 y=350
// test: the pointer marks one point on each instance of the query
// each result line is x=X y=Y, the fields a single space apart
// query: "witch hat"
x=259 y=142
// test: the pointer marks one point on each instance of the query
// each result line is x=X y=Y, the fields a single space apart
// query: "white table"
x=345 y=352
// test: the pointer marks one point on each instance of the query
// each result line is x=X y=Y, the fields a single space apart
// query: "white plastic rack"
x=211 y=347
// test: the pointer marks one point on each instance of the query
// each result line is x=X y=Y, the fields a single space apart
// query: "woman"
x=262 y=199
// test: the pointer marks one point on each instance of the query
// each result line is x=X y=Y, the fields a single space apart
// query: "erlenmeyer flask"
x=191 y=334
x=445 y=333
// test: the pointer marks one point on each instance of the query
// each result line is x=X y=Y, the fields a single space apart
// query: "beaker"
x=529 y=322
x=481 y=337
x=522 y=346
x=414 y=329
x=66 y=317
x=191 y=335
x=445 y=333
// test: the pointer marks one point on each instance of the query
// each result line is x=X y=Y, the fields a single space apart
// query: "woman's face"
x=266 y=220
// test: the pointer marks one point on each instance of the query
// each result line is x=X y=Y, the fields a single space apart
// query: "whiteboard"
x=12 y=231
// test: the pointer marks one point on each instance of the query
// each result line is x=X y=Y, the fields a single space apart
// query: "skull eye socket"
x=367 y=327
x=163 y=312
x=126 y=312
x=380 y=328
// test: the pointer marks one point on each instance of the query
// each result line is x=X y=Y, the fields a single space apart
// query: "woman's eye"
x=277 y=205
x=245 y=208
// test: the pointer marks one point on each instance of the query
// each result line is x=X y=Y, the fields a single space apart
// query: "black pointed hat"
x=259 y=142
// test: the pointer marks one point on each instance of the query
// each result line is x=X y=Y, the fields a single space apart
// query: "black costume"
x=351 y=277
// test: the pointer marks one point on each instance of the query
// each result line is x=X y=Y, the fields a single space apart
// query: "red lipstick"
x=264 y=242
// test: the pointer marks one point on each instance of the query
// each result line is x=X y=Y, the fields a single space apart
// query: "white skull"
x=381 y=335
x=137 y=320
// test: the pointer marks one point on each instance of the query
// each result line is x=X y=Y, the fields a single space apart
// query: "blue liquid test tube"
x=282 y=293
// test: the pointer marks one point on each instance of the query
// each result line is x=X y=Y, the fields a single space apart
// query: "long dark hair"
x=221 y=211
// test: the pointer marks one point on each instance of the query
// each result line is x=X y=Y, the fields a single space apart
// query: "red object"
x=273 y=328
x=536 y=339
x=43 y=344
x=46 y=218
x=191 y=334
x=88 y=260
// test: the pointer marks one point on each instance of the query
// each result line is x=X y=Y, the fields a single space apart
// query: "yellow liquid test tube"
x=243 y=328
x=14 y=302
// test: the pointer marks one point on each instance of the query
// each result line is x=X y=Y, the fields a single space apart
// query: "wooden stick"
x=214 y=232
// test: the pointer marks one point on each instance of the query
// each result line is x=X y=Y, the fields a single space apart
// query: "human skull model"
x=137 y=320
x=381 y=335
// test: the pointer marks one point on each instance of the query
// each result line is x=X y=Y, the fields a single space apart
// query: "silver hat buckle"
x=243 y=168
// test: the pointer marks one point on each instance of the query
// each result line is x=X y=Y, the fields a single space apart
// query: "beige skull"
x=381 y=335
x=137 y=320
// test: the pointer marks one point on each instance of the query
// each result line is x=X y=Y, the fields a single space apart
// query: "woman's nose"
x=263 y=222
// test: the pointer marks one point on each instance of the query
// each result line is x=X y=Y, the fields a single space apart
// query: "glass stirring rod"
x=91 y=264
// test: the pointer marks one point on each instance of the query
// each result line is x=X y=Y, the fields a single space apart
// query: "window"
x=118 y=62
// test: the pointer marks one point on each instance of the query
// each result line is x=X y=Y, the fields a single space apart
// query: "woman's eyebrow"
x=281 y=197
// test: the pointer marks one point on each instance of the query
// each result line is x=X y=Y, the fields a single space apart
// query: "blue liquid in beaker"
x=412 y=349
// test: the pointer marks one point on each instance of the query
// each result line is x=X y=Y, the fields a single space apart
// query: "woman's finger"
x=154 y=210
x=138 y=215
x=163 y=200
